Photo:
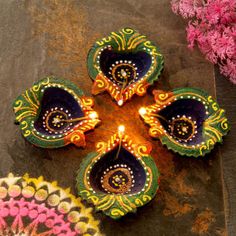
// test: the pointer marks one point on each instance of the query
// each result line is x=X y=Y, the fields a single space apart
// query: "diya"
x=186 y=120
x=33 y=206
x=119 y=176
x=54 y=113
x=124 y=63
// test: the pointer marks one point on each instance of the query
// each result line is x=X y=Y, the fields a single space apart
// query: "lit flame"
x=120 y=102
x=93 y=115
x=142 y=111
x=121 y=128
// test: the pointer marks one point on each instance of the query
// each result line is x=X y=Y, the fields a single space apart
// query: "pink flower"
x=205 y=43
x=192 y=35
x=187 y=8
x=175 y=6
x=225 y=47
x=229 y=69
x=212 y=27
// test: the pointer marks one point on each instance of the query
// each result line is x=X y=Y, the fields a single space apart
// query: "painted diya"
x=186 y=120
x=118 y=177
x=124 y=63
x=54 y=113
x=30 y=206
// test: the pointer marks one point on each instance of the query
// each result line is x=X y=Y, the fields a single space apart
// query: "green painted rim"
x=116 y=205
x=27 y=108
x=214 y=127
x=219 y=129
x=126 y=40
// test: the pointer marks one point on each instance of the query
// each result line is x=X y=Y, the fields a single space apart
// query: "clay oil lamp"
x=123 y=64
x=119 y=176
x=54 y=113
x=186 y=120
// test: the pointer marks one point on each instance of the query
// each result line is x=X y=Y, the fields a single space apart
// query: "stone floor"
x=49 y=37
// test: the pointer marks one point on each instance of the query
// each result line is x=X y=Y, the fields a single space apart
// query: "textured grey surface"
x=226 y=96
x=40 y=38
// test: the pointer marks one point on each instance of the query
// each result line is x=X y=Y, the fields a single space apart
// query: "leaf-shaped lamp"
x=54 y=113
x=124 y=63
x=186 y=120
x=118 y=177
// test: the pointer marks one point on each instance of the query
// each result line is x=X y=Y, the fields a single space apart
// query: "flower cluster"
x=212 y=27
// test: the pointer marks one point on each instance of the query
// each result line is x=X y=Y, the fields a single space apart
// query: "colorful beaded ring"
x=119 y=177
x=30 y=206
x=125 y=63
x=54 y=113
x=186 y=120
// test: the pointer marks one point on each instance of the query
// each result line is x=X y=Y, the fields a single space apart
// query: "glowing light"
x=93 y=115
x=121 y=128
x=142 y=111
x=120 y=102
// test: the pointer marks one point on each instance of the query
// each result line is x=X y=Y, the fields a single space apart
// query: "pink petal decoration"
x=212 y=27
